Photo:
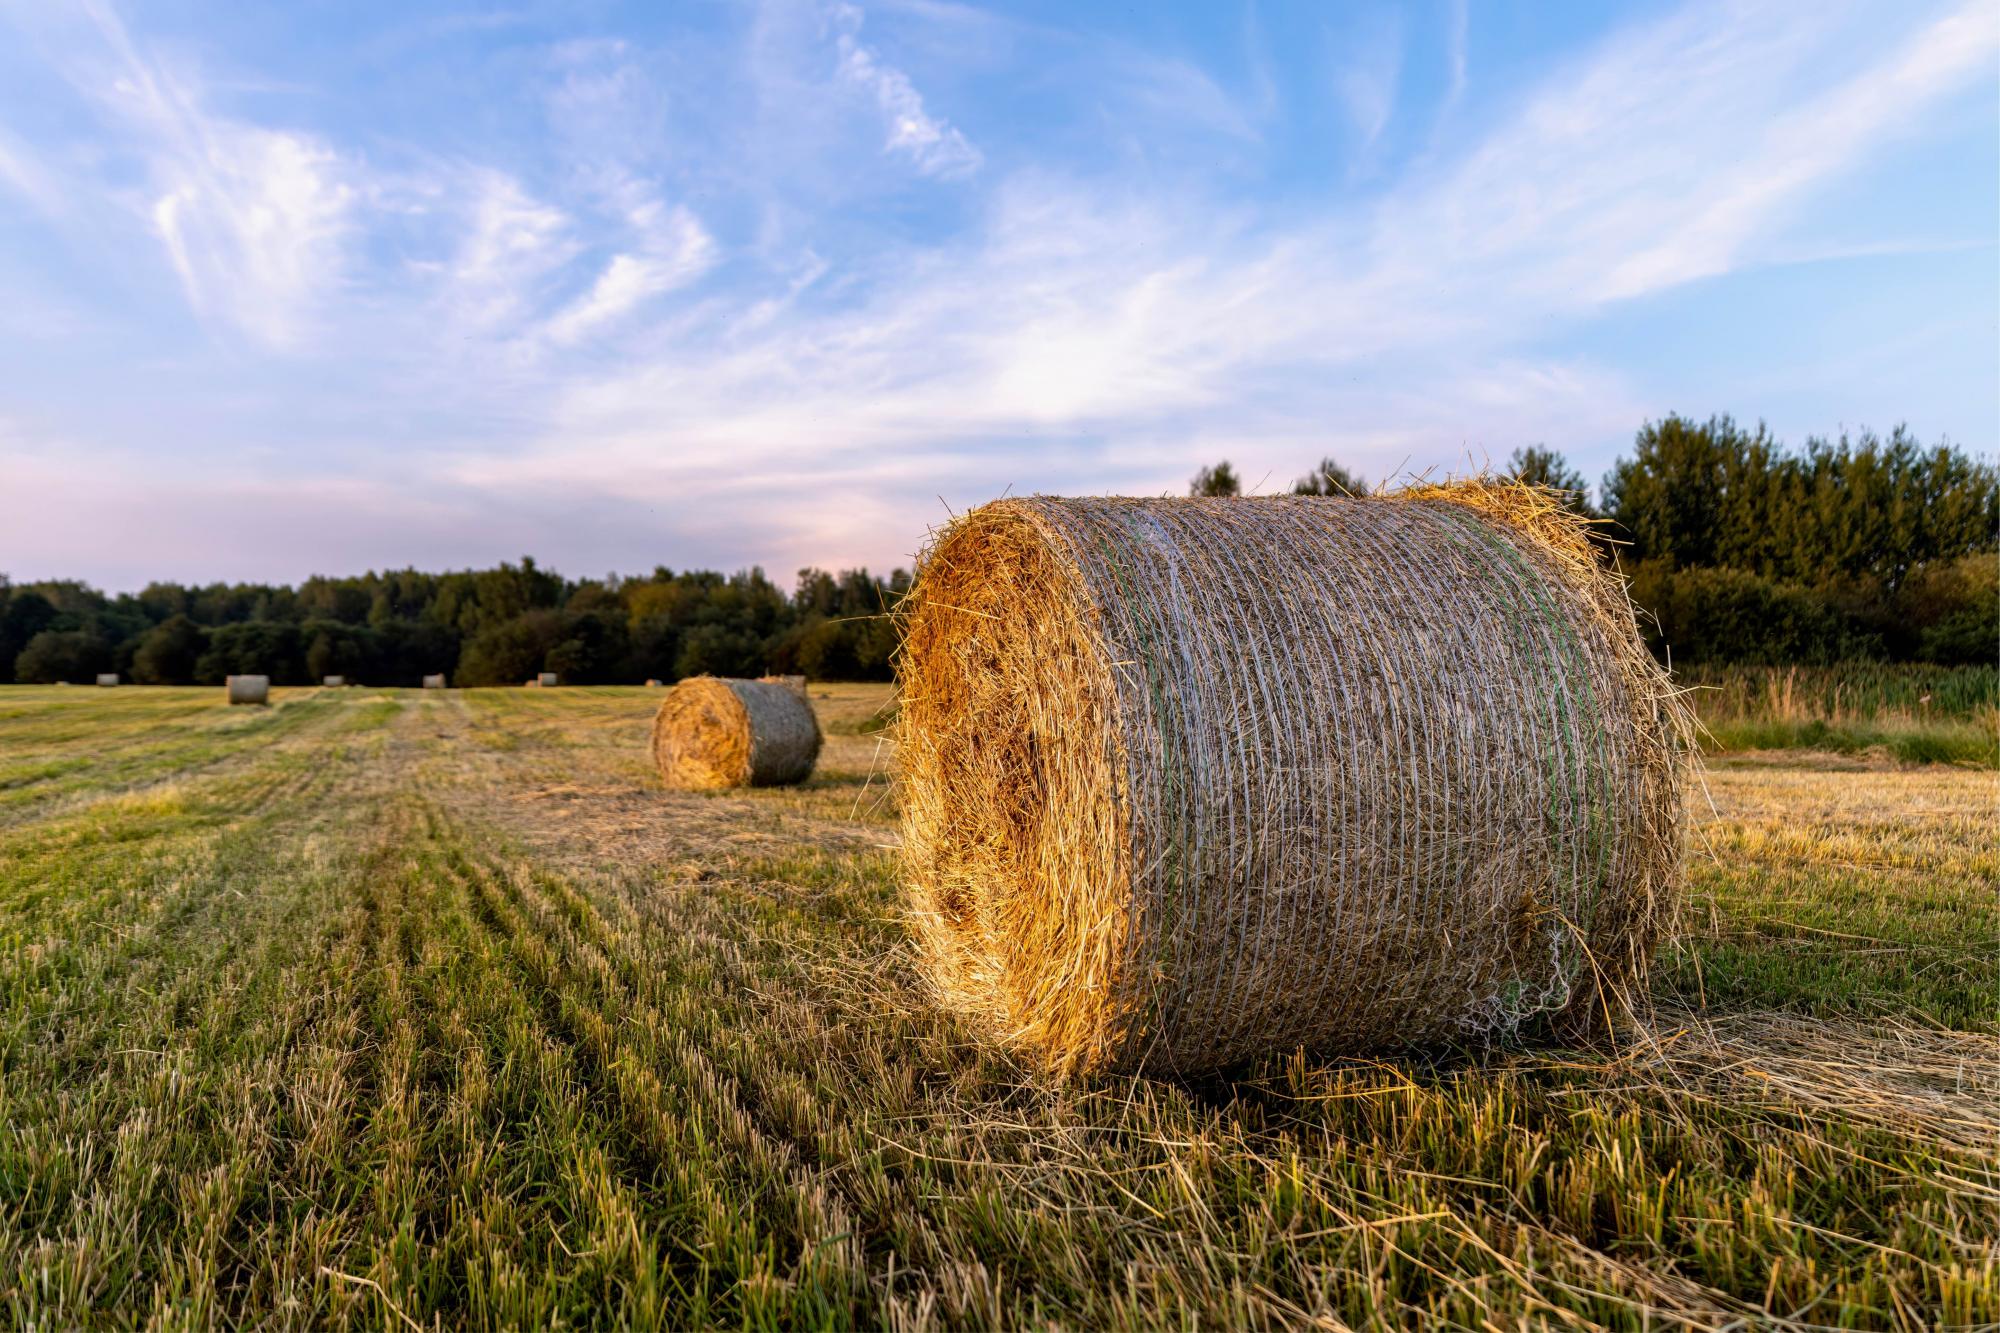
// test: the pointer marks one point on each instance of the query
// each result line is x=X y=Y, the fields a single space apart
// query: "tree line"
x=480 y=627
x=1741 y=550
x=1737 y=548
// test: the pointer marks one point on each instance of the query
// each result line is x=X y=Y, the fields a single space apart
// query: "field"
x=394 y=1009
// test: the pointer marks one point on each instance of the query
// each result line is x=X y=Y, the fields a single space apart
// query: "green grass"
x=1914 y=714
x=381 y=1008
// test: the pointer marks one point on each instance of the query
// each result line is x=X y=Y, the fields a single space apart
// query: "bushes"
x=23 y=614
x=169 y=652
x=55 y=655
x=511 y=651
x=1712 y=614
x=1949 y=612
x=253 y=648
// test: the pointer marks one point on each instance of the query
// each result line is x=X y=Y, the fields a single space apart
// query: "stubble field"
x=397 y=1009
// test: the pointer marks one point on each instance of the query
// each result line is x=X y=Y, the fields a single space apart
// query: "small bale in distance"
x=1188 y=780
x=434 y=682
x=107 y=678
x=712 y=732
x=546 y=680
x=652 y=683
x=333 y=682
x=249 y=689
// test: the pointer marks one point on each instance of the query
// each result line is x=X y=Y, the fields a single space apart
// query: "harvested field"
x=379 y=1008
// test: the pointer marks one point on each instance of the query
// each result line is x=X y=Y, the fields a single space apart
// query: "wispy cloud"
x=1806 y=145
x=934 y=145
x=737 y=319
x=1457 y=51
x=676 y=250
x=512 y=243
x=1367 y=68
x=252 y=218
x=1073 y=314
x=21 y=169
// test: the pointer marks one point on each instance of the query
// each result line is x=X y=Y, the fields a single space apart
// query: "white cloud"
x=22 y=170
x=1458 y=24
x=1368 y=66
x=1079 y=327
x=677 y=251
x=1150 y=325
x=252 y=219
x=934 y=145
x=512 y=243
x=1811 y=143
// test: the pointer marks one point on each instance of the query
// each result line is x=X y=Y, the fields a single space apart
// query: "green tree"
x=1695 y=493
x=76 y=656
x=23 y=615
x=253 y=648
x=1539 y=466
x=1218 y=480
x=511 y=651
x=1329 y=478
x=338 y=648
x=169 y=652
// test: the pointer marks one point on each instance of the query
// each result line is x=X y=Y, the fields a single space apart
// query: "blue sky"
x=337 y=285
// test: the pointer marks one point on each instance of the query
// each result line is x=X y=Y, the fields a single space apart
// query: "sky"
x=341 y=285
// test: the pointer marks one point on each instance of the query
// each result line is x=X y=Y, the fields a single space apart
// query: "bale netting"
x=711 y=732
x=249 y=689
x=1188 y=780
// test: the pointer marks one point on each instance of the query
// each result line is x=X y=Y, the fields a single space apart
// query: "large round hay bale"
x=545 y=680
x=107 y=678
x=434 y=682
x=249 y=689
x=334 y=682
x=711 y=732
x=1188 y=780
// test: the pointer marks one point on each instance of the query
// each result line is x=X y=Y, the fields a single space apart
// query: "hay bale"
x=1188 y=780
x=711 y=732
x=793 y=683
x=434 y=682
x=333 y=682
x=107 y=678
x=249 y=689
x=546 y=680
x=652 y=683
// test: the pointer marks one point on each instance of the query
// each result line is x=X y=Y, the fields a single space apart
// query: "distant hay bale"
x=546 y=680
x=107 y=678
x=794 y=683
x=333 y=682
x=711 y=732
x=652 y=683
x=1188 y=780
x=249 y=689
x=434 y=682
x=532 y=683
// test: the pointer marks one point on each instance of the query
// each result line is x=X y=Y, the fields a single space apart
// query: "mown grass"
x=432 y=1008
